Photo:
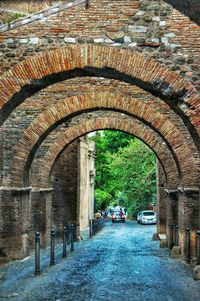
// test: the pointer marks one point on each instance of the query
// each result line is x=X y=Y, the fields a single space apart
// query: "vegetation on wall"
x=11 y=10
x=125 y=172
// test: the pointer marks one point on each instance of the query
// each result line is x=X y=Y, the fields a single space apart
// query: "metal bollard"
x=64 y=242
x=187 y=245
x=176 y=236
x=171 y=234
x=37 y=253
x=75 y=231
x=86 y=4
x=52 y=259
x=91 y=230
x=68 y=232
x=72 y=238
x=198 y=247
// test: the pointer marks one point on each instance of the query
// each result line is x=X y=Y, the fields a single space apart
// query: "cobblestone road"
x=120 y=263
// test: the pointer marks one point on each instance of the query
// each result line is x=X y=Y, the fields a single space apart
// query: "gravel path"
x=121 y=262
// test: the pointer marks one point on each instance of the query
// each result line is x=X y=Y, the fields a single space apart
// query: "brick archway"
x=40 y=71
x=125 y=124
x=55 y=115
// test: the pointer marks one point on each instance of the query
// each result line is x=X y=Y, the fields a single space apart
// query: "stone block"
x=154 y=40
x=116 y=44
x=175 y=252
x=169 y=35
x=33 y=40
x=134 y=44
x=70 y=40
x=127 y=39
x=98 y=40
x=9 y=41
x=115 y=35
x=140 y=13
x=196 y=273
x=165 y=41
x=162 y=23
x=175 y=45
x=156 y=19
x=138 y=29
x=23 y=41
x=108 y=41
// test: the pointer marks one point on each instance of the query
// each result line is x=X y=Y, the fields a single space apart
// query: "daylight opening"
x=125 y=173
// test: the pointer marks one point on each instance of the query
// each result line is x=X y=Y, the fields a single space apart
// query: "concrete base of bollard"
x=155 y=236
x=163 y=243
x=175 y=252
x=163 y=240
x=196 y=273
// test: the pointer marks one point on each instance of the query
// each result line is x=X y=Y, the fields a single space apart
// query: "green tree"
x=134 y=169
x=125 y=171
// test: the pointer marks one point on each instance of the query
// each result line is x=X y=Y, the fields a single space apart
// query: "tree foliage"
x=125 y=172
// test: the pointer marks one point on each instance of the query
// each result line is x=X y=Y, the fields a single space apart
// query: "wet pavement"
x=120 y=262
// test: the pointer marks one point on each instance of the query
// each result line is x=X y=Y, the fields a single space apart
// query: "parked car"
x=147 y=217
x=118 y=216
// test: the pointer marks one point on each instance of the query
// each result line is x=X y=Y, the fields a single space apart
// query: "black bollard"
x=86 y=4
x=72 y=238
x=171 y=234
x=68 y=232
x=52 y=259
x=64 y=242
x=176 y=236
x=187 y=245
x=90 y=227
x=75 y=231
x=37 y=253
x=198 y=247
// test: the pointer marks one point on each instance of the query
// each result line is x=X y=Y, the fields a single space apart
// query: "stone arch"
x=125 y=124
x=50 y=67
x=72 y=106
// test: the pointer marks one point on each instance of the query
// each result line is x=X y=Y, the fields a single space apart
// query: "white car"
x=147 y=217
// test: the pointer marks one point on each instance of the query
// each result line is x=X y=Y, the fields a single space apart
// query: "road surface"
x=119 y=263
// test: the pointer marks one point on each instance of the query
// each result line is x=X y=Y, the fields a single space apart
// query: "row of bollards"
x=174 y=241
x=67 y=236
x=173 y=236
x=198 y=247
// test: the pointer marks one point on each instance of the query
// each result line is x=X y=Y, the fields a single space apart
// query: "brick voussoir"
x=52 y=117
x=99 y=123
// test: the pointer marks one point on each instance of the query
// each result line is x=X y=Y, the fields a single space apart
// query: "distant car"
x=147 y=217
x=118 y=216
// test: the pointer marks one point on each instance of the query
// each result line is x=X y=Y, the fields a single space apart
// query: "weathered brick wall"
x=64 y=183
x=161 y=198
x=91 y=101
x=96 y=121
x=151 y=27
x=29 y=110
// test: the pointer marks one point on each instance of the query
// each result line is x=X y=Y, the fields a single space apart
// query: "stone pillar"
x=14 y=222
x=83 y=183
x=161 y=199
x=91 y=168
x=171 y=210
x=188 y=216
x=1 y=155
x=41 y=214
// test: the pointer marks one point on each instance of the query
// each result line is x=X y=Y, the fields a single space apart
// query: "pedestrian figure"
x=125 y=211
